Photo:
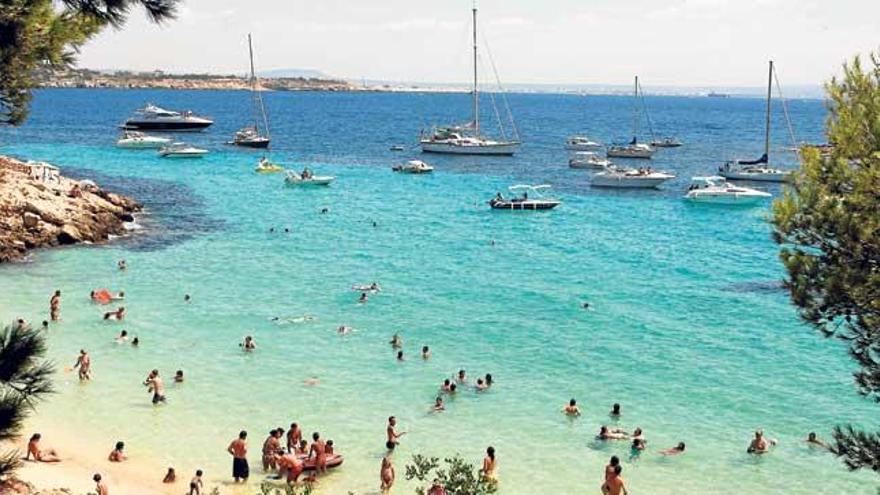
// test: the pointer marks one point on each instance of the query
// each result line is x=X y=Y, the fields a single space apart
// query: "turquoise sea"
x=688 y=329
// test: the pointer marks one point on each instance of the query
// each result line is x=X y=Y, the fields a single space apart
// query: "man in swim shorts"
x=55 y=306
x=156 y=386
x=238 y=450
x=84 y=363
x=392 y=435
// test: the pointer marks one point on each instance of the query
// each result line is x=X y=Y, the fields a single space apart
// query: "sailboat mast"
x=256 y=96
x=476 y=97
x=636 y=110
x=767 y=116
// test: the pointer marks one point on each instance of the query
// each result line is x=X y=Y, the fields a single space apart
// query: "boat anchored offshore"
x=717 y=190
x=581 y=143
x=633 y=149
x=667 y=142
x=153 y=118
x=250 y=136
x=139 y=140
x=631 y=178
x=413 y=167
x=465 y=139
x=524 y=202
x=307 y=178
x=182 y=150
x=758 y=170
x=589 y=160
x=264 y=166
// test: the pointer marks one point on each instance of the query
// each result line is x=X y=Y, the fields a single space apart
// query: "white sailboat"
x=250 y=136
x=633 y=149
x=630 y=178
x=757 y=170
x=465 y=139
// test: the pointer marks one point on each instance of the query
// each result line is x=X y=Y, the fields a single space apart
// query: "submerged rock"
x=41 y=208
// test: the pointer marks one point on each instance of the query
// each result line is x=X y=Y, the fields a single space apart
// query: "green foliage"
x=269 y=488
x=457 y=475
x=828 y=223
x=24 y=379
x=35 y=33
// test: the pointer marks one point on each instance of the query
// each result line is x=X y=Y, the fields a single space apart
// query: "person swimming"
x=462 y=376
x=572 y=409
x=615 y=411
x=178 y=376
x=122 y=337
x=636 y=448
x=117 y=315
x=481 y=385
x=759 y=444
x=438 y=405
x=815 y=441
x=606 y=433
x=249 y=344
x=396 y=341
x=344 y=330
x=489 y=380
x=678 y=449
x=426 y=352
x=400 y=356
x=363 y=298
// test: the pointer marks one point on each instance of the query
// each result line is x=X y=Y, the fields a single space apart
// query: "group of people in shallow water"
x=289 y=456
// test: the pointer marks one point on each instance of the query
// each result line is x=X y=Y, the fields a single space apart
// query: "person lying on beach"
x=195 y=484
x=100 y=487
x=438 y=405
x=426 y=352
x=84 y=363
x=572 y=409
x=759 y=444
x=396 y=341
x=117 y=315
x=815 y=441
x=249 y=344
x=678 y=449
x=611 y=434
x=117 y=454
x=386 y=474
x=392 y=435
x=178 y=377
x=122 y=337
x=33 y=449
x=170 y=476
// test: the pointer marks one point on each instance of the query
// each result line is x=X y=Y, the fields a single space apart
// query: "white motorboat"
x=588 y=159
x=250 y=136
x=153 y=118
x=307 y=178
x=182 y=150
x=139 y=140
x=413 y=167
x=581 y=143
x=758 y=170
x=717 y=190
x=465 y=139
x=643 y=178
x=524 y=202
x=631 y=150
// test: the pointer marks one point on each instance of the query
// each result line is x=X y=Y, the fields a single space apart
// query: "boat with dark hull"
x=251 y=136
x=524 y=202
x=157 y=119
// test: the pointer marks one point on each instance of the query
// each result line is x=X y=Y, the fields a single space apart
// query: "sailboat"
x=633 y=149
x=465 y=139
x=757 y=170
x=250 y=136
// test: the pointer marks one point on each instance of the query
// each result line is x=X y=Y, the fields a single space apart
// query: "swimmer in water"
x=426 y=352
x=178 y=377
x=481 y=385
x=815 y=441
x=488 y=380
x=615 y=411
x=446 y=387
x=392 y=435
x=187 y=298
x=363 y=298
x=462 y=376
x=343 y=330
x=117 y=315
x=759 y=444
x=400 y=356
x=396 y=341
x=121 y=265
x=249 y=344
x=606 y=433
x=572 y=409
x=678 y=449
x=123 y=337
x=136 y=341
x=438 y=405
x=156 y=386
x=84 y=363
x=585 y=305
x=636 y=448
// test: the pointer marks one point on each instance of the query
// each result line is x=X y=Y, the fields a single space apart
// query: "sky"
x=666 y=42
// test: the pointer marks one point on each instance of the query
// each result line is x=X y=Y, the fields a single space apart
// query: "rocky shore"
x=41 y=208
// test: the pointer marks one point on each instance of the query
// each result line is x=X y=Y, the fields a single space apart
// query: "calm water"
x=687 y=330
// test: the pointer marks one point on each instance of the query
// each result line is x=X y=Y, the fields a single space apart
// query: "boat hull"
x=628 y=153
x=141 y=145
x=627 y=183
x=254 y=144
x=588 y=165
x=524 y=205
x=182 y=155
x=583 y=147
x=159 y=126
x=771 y=177
x=315 y=181
x=496 y=149
x=725 y=199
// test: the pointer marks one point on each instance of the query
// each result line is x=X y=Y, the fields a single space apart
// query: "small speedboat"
x=631 y=150
x=182 y=150
x=717 y=190
x=630 y=178
x=524 y=202
x=581 y=143
x=266 y=167
x=397 y=147
x=153 y=118
x=307 y=179
x=413 y=167
x=667 y=142
x=139 y=140
x=588 y=159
